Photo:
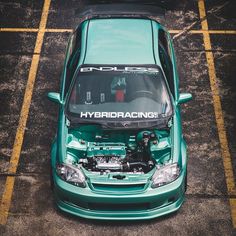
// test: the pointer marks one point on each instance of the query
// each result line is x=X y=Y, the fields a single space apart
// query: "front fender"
x=54 y=153
x=184 y=153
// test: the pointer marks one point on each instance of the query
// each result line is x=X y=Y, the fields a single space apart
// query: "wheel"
x=51 y=179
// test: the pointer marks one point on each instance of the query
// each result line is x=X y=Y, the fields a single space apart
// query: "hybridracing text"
x=127 y=69
x=115 y=115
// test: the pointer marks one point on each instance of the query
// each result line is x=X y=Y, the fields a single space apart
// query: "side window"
x=163 y=39
x=166 y=60
x=73 y=59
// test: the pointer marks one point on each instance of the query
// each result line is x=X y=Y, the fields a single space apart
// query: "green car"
x=119 y=152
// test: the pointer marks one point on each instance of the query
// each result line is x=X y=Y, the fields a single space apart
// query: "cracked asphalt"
x=206 y=210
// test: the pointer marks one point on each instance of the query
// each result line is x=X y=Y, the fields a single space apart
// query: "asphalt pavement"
x=206 y=57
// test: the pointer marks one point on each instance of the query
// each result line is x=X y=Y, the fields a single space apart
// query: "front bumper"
x=148 y=204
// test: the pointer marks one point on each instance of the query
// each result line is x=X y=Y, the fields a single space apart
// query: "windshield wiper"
x=160 y=123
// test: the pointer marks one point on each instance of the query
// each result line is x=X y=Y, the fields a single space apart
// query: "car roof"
x=119 y=41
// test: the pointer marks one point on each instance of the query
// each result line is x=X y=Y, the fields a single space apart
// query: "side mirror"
x=54 y=97
x=184 y=97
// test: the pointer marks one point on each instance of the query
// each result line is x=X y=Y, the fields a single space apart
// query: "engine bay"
x=105 y=151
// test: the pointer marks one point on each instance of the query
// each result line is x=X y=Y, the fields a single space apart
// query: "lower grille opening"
x=118 y=207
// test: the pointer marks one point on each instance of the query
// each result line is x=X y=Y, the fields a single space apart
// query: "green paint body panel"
x=149 y=203
x=119 y=42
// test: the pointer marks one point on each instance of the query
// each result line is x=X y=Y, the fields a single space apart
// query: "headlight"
x=165 y=175
x=71 y=174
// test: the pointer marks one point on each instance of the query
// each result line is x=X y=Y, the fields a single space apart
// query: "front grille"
x=113 y=187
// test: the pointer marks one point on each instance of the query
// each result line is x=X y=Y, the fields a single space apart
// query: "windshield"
x=119 y=94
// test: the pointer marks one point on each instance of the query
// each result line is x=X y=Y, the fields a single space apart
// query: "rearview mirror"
x=54 y=97
x=184 y=97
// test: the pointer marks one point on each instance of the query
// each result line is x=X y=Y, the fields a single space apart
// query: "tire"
x=51 y=179
x=186 y=182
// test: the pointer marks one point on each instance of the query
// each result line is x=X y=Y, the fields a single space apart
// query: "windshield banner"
x=115 y=115
x=127 y=69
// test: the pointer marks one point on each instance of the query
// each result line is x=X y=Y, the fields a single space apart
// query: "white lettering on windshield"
x=117 y=115
x=127 y=69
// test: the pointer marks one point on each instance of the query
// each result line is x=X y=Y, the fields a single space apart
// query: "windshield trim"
x=68 y=113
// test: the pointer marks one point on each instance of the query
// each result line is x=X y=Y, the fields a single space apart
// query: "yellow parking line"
x=8 y=190
x=205 y=31
x=222 y=31
x=34 y=30
x=227 y=162
x=18 y=30
x=57 y=30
